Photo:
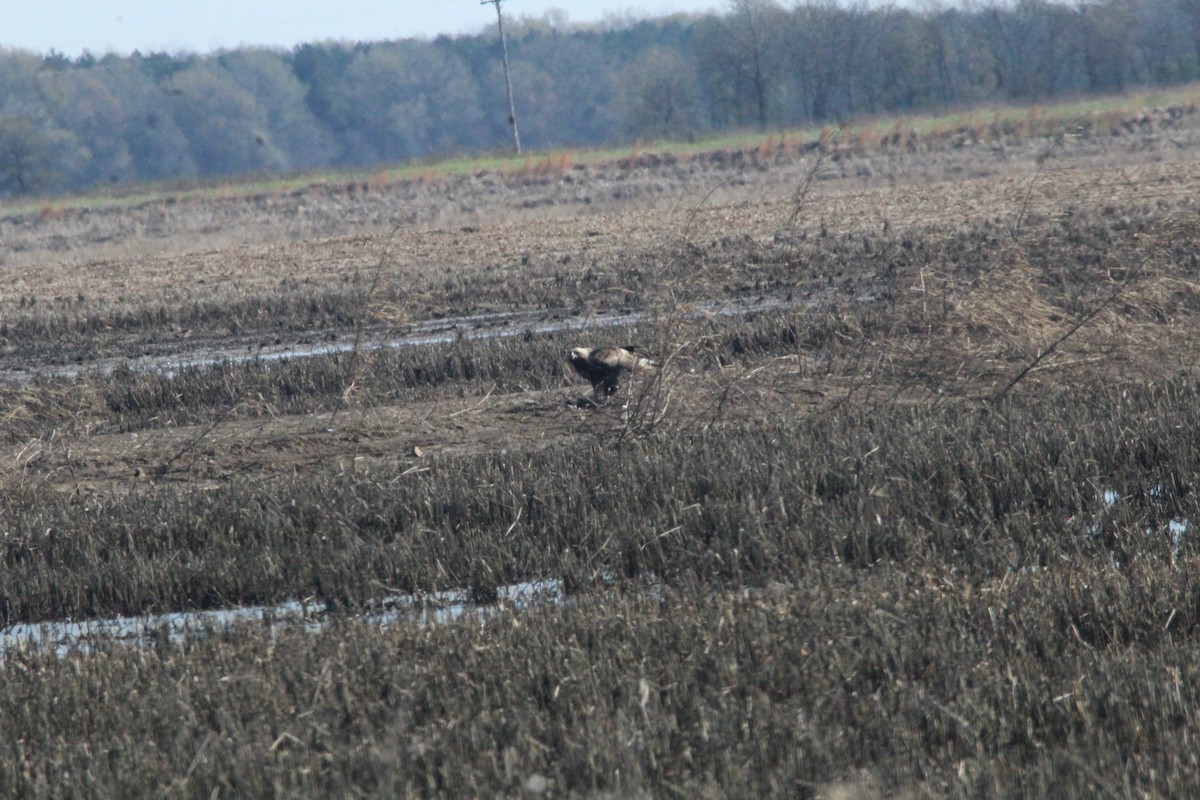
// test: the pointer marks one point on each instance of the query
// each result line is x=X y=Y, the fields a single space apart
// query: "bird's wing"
x=611 y=357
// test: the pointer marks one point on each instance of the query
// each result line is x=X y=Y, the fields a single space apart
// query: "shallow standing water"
x=64 y=637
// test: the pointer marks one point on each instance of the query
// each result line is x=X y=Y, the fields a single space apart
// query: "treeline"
x=73 y=123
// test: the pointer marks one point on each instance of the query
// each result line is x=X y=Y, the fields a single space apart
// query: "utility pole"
x=512 y=108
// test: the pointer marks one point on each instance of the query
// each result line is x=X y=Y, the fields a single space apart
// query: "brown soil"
x=524 y=228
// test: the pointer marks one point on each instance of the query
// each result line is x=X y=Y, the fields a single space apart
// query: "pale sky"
x=199 y=26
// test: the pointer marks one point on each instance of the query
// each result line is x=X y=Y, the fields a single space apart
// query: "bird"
x=604 y=366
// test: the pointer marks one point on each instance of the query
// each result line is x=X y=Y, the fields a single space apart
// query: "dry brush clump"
x=1093 y=296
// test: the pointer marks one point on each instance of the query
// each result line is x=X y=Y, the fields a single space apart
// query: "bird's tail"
x=643 y=359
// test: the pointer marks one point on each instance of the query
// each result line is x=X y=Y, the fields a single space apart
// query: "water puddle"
x=65 y=637
x=1177 y=529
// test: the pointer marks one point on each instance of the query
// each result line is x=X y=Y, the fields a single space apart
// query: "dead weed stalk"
x=355 y=362
x=685 y=287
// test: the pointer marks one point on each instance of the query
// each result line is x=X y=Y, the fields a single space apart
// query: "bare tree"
x=659 y=95
x=753 y=28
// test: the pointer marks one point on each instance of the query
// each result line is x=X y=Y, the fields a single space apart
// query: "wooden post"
x=512 y=108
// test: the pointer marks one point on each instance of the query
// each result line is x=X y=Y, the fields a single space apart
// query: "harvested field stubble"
x=982 y=489
x=917 y=683
x=908 y=508
x=851 y=235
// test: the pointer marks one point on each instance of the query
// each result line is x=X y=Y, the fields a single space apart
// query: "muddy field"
x=967 y=262
x=905 y=508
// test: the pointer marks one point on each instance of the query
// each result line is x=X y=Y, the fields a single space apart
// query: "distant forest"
x=68 y=124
